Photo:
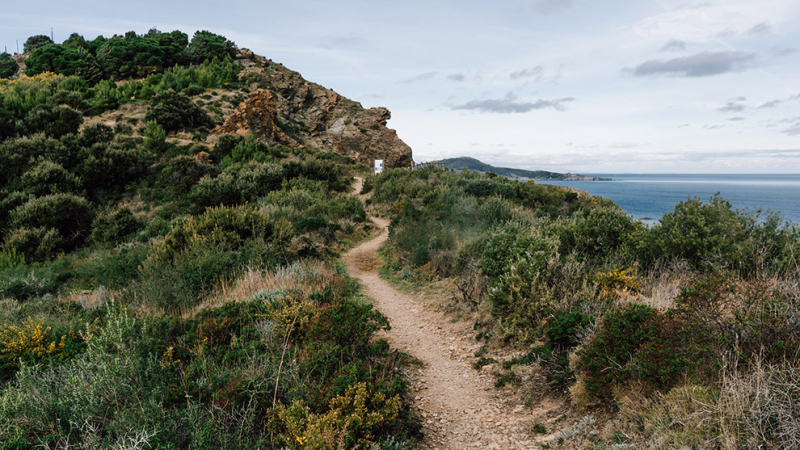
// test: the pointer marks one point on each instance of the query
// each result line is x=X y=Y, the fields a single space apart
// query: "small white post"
x=378 y=166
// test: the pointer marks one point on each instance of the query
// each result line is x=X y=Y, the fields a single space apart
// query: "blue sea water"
x=649 y=196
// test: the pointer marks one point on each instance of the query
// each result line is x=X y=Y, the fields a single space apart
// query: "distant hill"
x=467 y=163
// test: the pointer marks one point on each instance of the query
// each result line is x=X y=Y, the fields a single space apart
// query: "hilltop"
x=286 y=109
x=467 y=163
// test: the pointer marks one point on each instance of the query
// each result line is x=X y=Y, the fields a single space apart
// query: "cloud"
x=674 y=45
x=527 y=73
x=551 y=6
x=456 y=77
x=775 y=102
x=794 y=129
x=759 y=29
x=420 y=77
x=623 y=145
x=734 y=105
x=736 y=119
x=713 y=127
x=771 y=104
x=702 y=64
x=509 y=105
x=781 y=51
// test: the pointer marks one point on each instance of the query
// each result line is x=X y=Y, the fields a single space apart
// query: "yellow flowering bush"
x=30 y=339
x=617 y=282
x=352 y=422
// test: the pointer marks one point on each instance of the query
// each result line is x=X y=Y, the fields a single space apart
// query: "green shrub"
x=155 y=138
x=255 y=180
x=348 y=207
x=599 y=233
x=183 y=172
x=10 y=258
x=36 y=244
x=53 y=121
x=8 y=67
x=659 y=350
x=17 y=154
x=495 y=211
x=23 y=282
x=564 y=333
x=113 y=226
x=9 y=201
x=225 y=144
x=112 y=268
x=48 y=177
x=707 y=235
x=607 y=359
x=175 y=111
x=202 y=250
x=103 y=166
x=69 y=214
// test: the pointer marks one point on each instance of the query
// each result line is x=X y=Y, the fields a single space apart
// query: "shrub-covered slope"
x=163 y=286
x=681 y=335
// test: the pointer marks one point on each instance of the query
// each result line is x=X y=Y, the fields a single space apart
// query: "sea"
x=648 y=196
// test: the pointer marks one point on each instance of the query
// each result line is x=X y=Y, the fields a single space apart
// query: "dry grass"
x=664 y=284
x=760 y=408
x=302 y=276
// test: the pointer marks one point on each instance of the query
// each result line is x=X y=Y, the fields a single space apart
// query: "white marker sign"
x=378 y=166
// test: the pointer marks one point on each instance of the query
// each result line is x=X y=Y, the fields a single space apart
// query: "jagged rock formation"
x=287 y=109
x=258 y=115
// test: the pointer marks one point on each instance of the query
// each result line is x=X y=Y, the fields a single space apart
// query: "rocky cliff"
x=284 y=108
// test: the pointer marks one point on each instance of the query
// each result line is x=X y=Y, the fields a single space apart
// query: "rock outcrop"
x=287 y=109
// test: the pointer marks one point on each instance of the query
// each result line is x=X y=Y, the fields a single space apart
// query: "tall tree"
x=206 y=45
x=8 y=67
x=35 y=42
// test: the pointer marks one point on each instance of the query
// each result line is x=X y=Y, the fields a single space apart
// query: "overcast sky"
x=645 y=86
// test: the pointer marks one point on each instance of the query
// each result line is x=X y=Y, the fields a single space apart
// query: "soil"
x=459 y=405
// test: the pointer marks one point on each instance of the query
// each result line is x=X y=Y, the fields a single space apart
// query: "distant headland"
x=467 y=163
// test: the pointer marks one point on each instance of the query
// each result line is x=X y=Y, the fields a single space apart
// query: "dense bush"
x=17 y=154
x=68 y=214
x=36 y=244
x=112 y=227
x=53 y=121
x=183 y=172
x=8 y=67
x=63 y=60
x=48 y=177
x=205 y=46
x=34 y=42
x=175 y=111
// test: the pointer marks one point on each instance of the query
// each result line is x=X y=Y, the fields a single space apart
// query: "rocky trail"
x=460 y=406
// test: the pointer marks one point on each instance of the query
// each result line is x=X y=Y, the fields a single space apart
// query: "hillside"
x=172 y=211
x=467 y=163
x=195 y=254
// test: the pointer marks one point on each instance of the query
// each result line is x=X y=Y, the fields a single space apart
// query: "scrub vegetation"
x=684 y=334
x=163 y=290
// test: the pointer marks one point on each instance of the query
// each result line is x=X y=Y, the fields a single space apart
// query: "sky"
x=618 y=86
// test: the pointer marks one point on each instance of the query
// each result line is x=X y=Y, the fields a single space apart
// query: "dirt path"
x=459 y=405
